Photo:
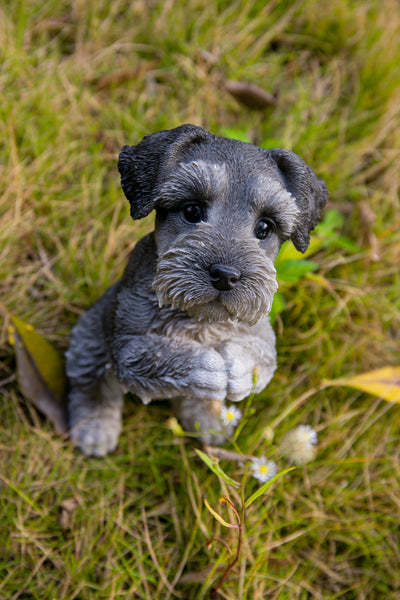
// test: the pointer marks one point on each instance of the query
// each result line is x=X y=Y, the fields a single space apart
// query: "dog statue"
x=188 y=321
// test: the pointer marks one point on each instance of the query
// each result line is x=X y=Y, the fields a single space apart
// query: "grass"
x=79 y=80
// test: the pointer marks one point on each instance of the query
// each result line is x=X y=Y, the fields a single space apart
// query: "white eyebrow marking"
x=200 y=177
x=269 y=196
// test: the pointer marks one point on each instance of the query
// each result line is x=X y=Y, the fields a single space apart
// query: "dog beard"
x=183 y=281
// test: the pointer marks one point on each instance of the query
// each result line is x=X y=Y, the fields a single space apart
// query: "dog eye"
x=264 y=227
x=193 y=213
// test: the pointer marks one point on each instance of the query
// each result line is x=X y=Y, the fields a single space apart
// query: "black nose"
x=224 y=278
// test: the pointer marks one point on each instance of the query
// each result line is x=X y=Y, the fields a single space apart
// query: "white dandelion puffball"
x=230 y=415
x=263 y=469
x=298 y=445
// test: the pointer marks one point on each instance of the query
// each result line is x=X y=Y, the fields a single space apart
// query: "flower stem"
x=230 y=566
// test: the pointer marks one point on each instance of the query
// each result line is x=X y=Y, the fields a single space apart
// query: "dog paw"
x=96 y=437
x=204 y=418
x=207 y=378
x=241 y=367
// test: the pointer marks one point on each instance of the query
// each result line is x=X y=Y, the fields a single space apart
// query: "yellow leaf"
x=40 y=371
x=384 y=383
x=218 y=517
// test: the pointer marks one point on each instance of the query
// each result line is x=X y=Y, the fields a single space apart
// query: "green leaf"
x=272 y=143
x=384 y=383
x=40 y=372
x=288 y=251
x=265 y=487
x=278 y=306
x=346 y=244
x=332 y=220
x=236 y=134
x=292 y=270
x=215 y=468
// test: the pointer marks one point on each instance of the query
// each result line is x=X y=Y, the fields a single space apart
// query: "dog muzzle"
x=213 y=279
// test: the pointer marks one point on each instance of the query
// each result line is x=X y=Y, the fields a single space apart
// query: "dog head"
x=223 y=209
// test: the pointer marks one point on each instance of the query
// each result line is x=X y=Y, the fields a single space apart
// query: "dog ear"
x=310 y=192
x=142 y=166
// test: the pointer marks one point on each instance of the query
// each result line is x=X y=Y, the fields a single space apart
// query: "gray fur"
x=188 y=320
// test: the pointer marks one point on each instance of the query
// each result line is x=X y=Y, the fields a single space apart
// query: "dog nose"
x=224 y=278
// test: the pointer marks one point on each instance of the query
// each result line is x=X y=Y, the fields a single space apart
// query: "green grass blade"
x=261 y=490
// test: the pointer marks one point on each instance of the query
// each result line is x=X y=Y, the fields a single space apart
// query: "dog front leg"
x=250 y=360
x=153 y=366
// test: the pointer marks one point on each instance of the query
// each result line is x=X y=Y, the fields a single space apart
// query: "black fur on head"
x=145 y=166
x=142 y=166
x=310 y=192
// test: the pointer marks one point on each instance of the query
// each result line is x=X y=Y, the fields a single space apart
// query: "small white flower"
x=230 y=415
x=263 y=469
x=299 y=444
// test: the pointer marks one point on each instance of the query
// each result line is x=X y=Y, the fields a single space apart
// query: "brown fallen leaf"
x=67 y=508
x=40 y=373
x=120 y=76
x=250 y=94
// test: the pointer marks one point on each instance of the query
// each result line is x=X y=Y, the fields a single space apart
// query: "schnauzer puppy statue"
x=188 y=321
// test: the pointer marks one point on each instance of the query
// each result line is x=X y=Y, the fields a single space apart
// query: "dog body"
x=188 y=320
